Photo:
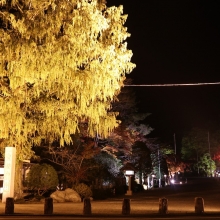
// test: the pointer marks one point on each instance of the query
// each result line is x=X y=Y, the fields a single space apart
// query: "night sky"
x=175 y=42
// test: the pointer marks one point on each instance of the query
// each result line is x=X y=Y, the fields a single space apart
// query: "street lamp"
x=129 y=174
x=165 y=179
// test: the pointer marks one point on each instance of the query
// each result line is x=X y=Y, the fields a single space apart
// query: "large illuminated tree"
x=62 y=63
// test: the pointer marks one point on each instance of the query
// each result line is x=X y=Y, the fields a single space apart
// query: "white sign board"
x=9 y=173
x=129 y=172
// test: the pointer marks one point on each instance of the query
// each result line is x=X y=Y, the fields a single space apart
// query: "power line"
x=176 y=84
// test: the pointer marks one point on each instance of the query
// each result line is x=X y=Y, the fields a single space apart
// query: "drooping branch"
x=65 y=62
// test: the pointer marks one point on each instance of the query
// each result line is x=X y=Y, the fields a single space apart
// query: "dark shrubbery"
x=41 y=178
x=83 y=190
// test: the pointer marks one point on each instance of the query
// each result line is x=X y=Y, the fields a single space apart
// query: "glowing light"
x=172 y=181
x=129 y=172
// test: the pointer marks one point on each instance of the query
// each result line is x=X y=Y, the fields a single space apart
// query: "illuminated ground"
x=180 y=200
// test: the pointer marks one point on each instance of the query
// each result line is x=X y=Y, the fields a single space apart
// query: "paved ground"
x=180 y=200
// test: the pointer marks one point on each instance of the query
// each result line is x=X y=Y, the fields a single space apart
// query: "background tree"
x=109 y=162
x=132 y=127
x=176 y=164
x=194 y=145
x=197 y=143
x=141 y=155
x=215 y=146
x=207 y=165
x=159 y=156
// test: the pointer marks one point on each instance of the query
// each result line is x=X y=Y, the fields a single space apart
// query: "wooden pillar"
x=87 y=207
x=9 y=206
x=163 y=205
x=129 y=191
x=48 y=206
x=126 y=209
x=199 y=205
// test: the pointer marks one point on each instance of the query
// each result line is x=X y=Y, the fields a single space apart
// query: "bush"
x=83 y=190
x=42 y=177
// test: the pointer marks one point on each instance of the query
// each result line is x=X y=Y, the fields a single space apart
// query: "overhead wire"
x=174 y=84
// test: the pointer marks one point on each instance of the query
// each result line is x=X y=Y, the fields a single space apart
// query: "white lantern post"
x=9 y=173
x=129 y=174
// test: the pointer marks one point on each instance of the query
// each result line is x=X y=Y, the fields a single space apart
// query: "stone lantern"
x=128 y=172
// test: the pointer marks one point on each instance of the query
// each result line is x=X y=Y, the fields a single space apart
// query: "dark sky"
x=175 y=41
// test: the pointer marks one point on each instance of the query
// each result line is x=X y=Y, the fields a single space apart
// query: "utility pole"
x=159 y=166
x=210 y=163
x=174 y=139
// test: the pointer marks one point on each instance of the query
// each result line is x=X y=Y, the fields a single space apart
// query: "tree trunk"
x=18 y=180
x=140 y=177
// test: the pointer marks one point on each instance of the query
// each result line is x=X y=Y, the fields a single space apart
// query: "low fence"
x=163 y=206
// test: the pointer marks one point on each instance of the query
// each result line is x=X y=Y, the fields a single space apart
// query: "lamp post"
x=165 y=178
x=129 y=174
